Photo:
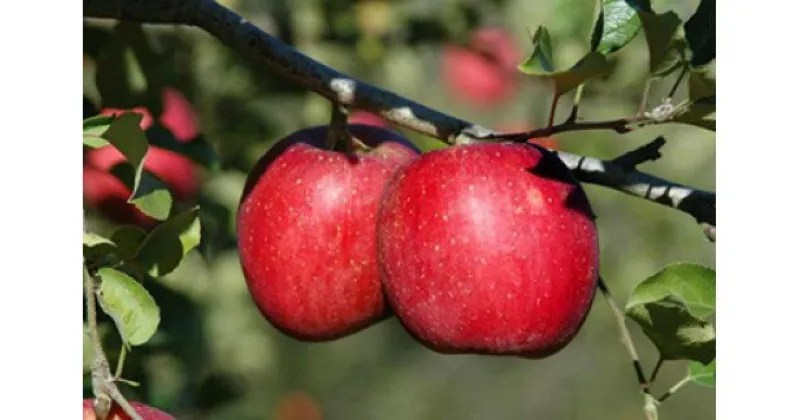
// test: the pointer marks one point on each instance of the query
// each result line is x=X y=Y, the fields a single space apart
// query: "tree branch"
x=103 y=386
x=235 y=31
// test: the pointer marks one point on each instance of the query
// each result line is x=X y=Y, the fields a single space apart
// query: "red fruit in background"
x=104 y=191
x=548 y=142
x=116 y=413
x=147 y=117
x=178 y=115
x=490 y=249
x=175 y=170
x=367 y=118
x=484 y=73
x=306 y=231
x=107 y=193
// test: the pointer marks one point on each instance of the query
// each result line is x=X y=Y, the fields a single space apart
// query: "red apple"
x=107 y=193
x=178 y=115
x=116 y=413
x=490 y=249
x=548 y=142
x=367 y=118
x=306 y=231
x=102 y=190
x=483 y=73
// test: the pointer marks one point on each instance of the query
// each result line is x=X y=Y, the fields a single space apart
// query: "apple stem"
x=338 y=137
x=103 y=386
x=625 y=336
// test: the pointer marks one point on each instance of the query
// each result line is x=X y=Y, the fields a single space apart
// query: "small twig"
x=656 y=369
x=576 y=101
x=650 y=151
x=103 y=386
x=678 y=81
x=551 y=118
x=620 y=126
x=645 y=96
x=627 y=341
x=675 y=388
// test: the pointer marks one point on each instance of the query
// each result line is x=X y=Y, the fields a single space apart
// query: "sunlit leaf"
x=164 y=248
x=128 y=303
x=540 y=64
x=703 y=374
x=617 y=24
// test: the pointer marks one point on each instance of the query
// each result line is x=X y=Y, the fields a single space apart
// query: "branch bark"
x=237 y=32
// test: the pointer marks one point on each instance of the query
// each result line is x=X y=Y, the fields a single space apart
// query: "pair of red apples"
x=484 y=248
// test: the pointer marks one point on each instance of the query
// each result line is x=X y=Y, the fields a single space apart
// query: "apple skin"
x=116 y=413
x=489 y=249
x=306 y=231
x=484 y=73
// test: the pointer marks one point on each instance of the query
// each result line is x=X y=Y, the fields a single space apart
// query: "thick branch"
x=245 y=37
x=702 y=205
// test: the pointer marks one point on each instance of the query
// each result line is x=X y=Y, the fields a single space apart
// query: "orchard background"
x=213 y=356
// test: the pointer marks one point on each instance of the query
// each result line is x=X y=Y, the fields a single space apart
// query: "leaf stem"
x=656 y=369
x=551 y=118
x=103 y=386
x=675 y=388
x=678 y=81
x=576 y=101
x=120 y=363
x=625 y=336
x=645 y=97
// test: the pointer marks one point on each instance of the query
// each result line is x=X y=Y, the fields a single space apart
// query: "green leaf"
x=152 y=197
x=128 y=303
x=128 y=239
x=676 y=333
x=701 y=33
x=670 y=305
x=93 y=130
x=702 y=374
x=692 y=283
x=165 y=247
x=617 y=24
x=665 y=42
x=540 y=64
x=126 y=135
x=95 y=245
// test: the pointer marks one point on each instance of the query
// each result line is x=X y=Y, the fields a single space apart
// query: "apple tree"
x=266 y=212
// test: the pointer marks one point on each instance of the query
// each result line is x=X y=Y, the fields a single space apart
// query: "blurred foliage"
x=215 y=357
